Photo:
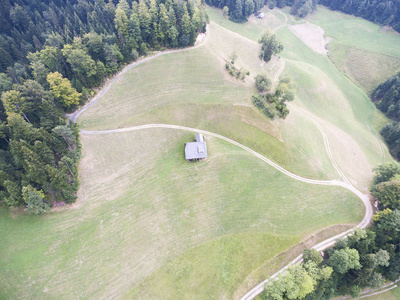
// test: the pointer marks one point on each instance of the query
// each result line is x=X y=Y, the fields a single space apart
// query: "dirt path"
x=364 y=198
x=75 y=115
x=280 y=70
x=321 y=246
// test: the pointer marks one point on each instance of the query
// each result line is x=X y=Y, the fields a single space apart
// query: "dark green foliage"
x=302 y=8
x=34 y=200
x=384 y=12
x=81 y=42
x=391 y=134
x=386 y=185
x=233 y=71
x=272 y=104
x=87 y=40
x=238 y=10
x=269 y=46
x=263 y=84
x=312 y=255
x=344 y=259
x=387 y=98
x=386 y=172
x=388 y=194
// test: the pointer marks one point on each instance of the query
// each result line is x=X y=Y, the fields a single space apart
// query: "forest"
x=52 y=56
x=387 y=98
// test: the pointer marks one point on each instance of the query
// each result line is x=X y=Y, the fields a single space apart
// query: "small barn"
x=196 y=150
x=259 y=15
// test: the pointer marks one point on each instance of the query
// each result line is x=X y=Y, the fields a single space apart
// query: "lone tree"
x=269 y=46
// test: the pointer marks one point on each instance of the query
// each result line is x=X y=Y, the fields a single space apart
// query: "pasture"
x=148 y=224
x=365 y=52
x=147 y=218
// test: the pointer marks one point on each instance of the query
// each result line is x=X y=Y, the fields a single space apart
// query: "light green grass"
x=366 y=69
x=199 y=93
x=333 y=99
x=357 y=32
x=142 y=207
x=148 y=224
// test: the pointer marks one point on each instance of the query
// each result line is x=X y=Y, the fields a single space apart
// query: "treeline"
x=38 y=151
x=239 y=10
x=387 y=98
x=384 y=12
x=366 y=259
x=86 y=40
x=52 y=54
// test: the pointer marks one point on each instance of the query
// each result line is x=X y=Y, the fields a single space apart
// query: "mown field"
x=343 y=109
x=199 y=93
x=148 y=224
x=143 y=207
x=367 y=53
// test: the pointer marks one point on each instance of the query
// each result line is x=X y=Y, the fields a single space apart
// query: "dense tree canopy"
x=367 y=258
x=387 y=98
x=269 y=46
x=52 y=54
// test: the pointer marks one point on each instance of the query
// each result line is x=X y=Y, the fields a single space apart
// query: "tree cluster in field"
x=269 y=46
x=233 y=71
x=302 y=8
x=52 y=54
x=273 y=103
x=39 y=153
x=387 y=98
x=384 y=12
x=366 y=259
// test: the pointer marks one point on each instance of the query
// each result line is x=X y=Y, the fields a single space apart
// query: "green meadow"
x=157 y=224
x=149 y=225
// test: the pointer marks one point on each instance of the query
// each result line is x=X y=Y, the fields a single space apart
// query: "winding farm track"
x=322 y=245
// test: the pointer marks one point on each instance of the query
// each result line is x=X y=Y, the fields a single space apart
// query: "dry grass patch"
x=311 y=35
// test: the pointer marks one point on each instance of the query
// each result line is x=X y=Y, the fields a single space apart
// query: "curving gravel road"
x=346 y=184
x=321 y=246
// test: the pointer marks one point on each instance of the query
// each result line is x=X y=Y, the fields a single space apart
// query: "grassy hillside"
x=152 y=225
x=199 y=93
x=349 y=119
x=365 y=68
x=367 y=53
x=142 y=206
